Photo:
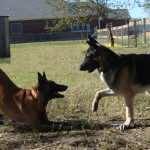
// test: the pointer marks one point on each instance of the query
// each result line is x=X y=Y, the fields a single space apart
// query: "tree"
x=72 y=12
x=146 y=6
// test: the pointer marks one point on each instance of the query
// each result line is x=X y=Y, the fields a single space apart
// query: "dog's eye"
x=88 y=57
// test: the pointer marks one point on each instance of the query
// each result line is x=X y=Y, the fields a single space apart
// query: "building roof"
x=35 y=9
x=25 y=9
x=119 y=14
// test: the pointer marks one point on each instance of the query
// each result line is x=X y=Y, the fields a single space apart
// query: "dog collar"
x=39 y=103
x=108 y=69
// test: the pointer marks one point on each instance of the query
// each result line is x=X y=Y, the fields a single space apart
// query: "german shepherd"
x=126 y=75
x=25 y=105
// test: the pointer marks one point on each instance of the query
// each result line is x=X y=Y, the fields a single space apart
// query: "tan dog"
x=24 y=105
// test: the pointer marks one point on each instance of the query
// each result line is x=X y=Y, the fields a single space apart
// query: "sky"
x=138 y=12
x=134 y=10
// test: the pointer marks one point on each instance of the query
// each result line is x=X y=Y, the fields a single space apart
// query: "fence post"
x=111 y=35
x=4 y=37
x=96 y=30
x=144 y=30
x=107 y=34
x=116 y=36
x=121 y=35
x=112 y=29
x=100 y=33
x=128 y=34
x=135 y=34
x=102 y=36
x=82 y=36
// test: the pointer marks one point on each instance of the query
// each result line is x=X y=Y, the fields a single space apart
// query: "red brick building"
x=27 y=20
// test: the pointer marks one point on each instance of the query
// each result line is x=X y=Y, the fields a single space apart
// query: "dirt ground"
x=94 y=135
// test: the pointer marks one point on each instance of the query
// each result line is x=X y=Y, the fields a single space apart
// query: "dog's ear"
x=92 y=39
x=44 y=76
x=95 y=47
x=41 y=80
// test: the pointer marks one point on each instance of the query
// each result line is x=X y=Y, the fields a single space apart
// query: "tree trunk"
x=111 y=35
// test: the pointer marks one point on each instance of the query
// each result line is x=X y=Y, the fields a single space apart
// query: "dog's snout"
x=66 y=87
x=80 y=68
x=62 y=88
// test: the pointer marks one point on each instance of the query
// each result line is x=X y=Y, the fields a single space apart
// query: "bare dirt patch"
x=92 y=135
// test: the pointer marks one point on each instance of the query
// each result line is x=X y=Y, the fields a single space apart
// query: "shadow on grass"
x=77 y=125
x=1 y=119
x=82 y=143
x=17 y=127
x=5 y=60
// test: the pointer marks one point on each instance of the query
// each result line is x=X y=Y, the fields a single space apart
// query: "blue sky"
x=134 y=10
x=138 y=12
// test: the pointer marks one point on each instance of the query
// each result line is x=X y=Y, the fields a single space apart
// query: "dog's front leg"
x=56 y=125
x=99 y=95
x=129 y=99
x=34 y=119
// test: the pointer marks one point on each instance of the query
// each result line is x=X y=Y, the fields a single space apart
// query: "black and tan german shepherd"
x=126 y=75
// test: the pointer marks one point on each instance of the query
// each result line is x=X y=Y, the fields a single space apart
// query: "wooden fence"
x=132 y=34
x=4 y=37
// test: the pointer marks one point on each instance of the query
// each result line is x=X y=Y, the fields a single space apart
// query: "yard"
x=60 y=61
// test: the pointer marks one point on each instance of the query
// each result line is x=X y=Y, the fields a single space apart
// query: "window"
x=16 y=28
x=76 y=27
x=79 y=27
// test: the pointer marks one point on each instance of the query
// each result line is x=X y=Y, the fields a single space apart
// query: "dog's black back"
x=139 y=65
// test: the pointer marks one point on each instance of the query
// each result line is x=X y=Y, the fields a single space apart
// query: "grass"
x=60 y=60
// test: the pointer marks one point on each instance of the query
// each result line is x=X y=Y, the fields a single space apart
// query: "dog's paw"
x=123 y=127
x=128 y=124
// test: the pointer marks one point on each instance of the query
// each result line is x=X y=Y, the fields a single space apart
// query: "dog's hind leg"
x=148 y=93
x=99 y=95
x=129 y=99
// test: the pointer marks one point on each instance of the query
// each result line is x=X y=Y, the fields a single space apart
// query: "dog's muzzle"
x=89 y=65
